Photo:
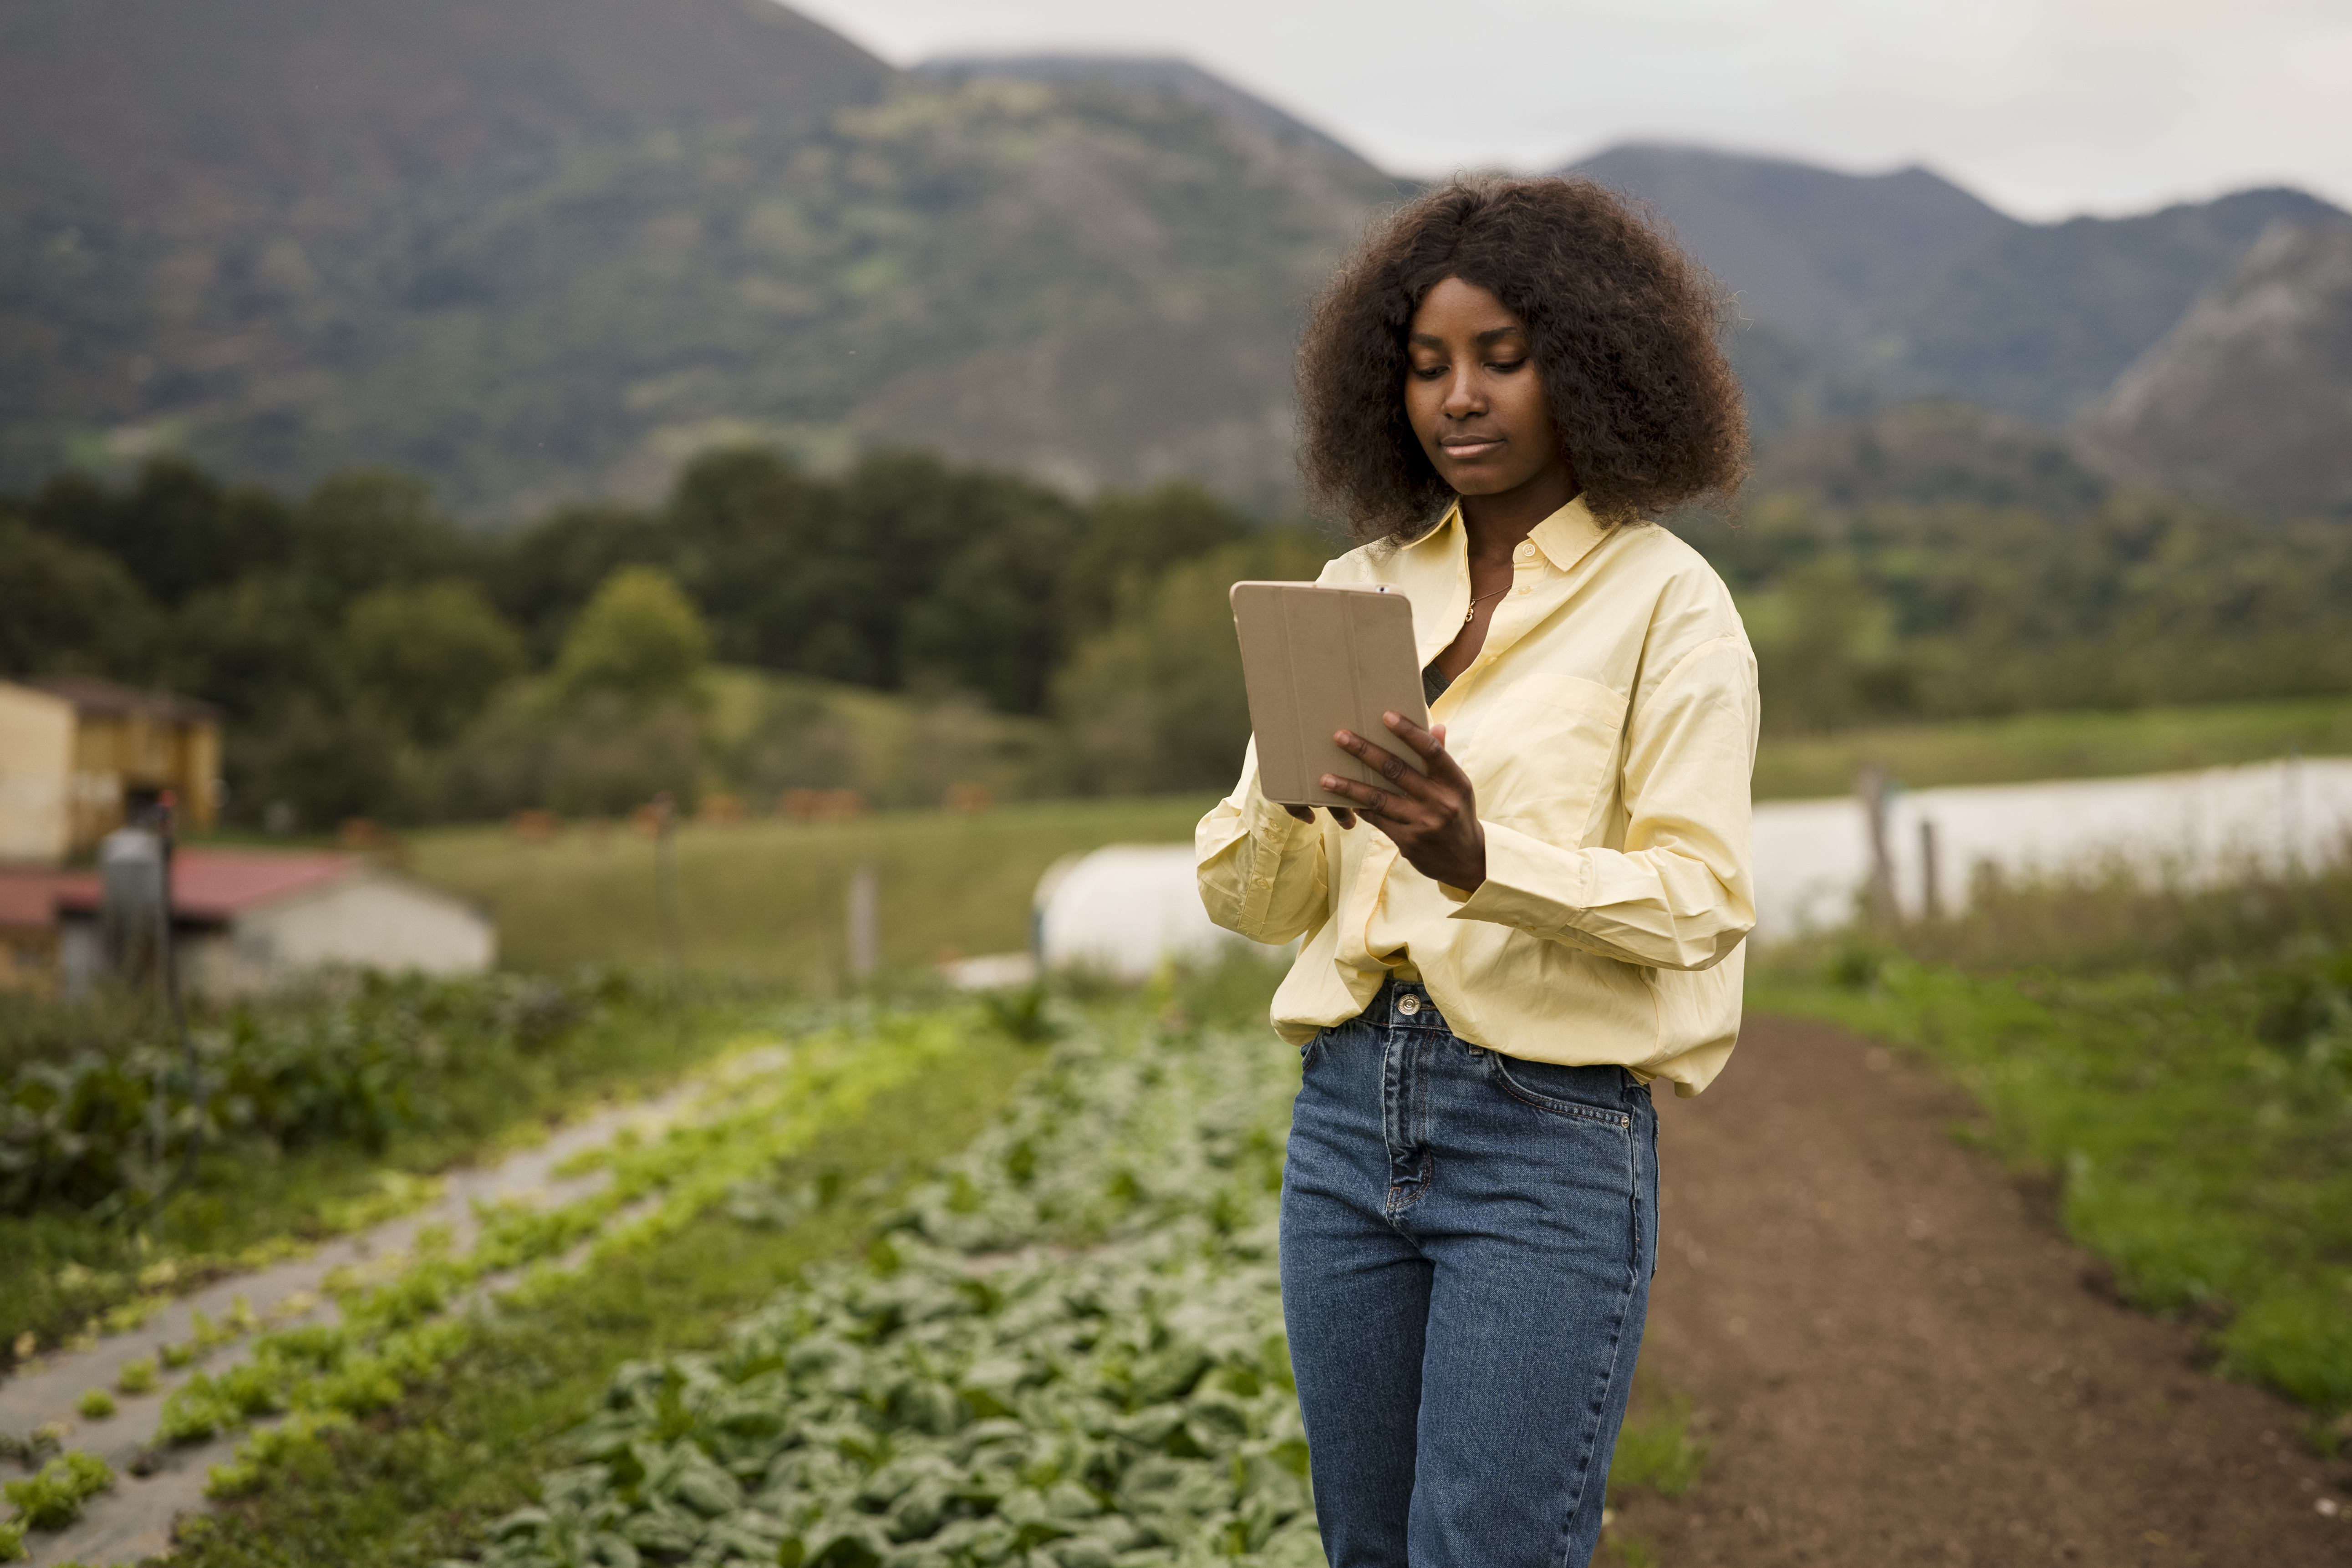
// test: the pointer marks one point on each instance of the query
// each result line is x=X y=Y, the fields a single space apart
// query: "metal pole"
x=665 y=884
x=169 y=959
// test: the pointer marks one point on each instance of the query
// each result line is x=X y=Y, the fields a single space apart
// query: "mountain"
x=1933 y=452
x=2250 y=393
x=536 y=282
x=539 y=251
x=171 y=115
x=1855 y=289
x=1137 y=73
x=2045 y=317
x=1809 y=250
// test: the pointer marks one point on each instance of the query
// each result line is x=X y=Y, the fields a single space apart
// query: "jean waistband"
x=1405 y=1005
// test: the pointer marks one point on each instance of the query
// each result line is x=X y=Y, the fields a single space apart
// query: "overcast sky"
x=2045 y=108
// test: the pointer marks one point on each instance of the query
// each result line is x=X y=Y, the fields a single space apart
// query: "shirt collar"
x=1566 y=537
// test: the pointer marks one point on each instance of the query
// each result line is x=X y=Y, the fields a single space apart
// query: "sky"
x=2044 y=108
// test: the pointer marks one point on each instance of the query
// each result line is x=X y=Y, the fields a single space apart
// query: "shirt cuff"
x=1271 y=828
x=1530 y=884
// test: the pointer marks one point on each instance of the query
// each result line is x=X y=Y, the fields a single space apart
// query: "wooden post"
x=665 y=885
x=1870 y=786
x=864 y=922
x=1931 y=895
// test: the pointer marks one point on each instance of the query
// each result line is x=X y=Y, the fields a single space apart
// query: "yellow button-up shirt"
x=1608 y=726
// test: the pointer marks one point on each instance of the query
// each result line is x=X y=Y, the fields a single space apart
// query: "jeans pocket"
x=1579 y=1092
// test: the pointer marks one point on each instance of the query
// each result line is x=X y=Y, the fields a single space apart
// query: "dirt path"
x=1898 y=1362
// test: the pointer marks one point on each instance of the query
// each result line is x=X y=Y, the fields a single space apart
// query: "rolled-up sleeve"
x=1680 y=894
x=1262 y=871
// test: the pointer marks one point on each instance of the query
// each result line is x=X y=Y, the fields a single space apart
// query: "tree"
x=66 y=607
x=640 y=639
x=253 y=646
x=368 y=530
x=1156 y=701
x=1135 y=535
x=427 y=659
x=540 y=577
x=176 y=529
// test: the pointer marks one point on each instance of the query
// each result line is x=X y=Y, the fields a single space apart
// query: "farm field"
x=2027 y=747
x=763 y=900
x=1062 y=1344
x=1045 y=1273
x=623 y=1248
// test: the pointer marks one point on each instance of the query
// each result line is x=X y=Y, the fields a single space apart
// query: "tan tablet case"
x=1318 y=659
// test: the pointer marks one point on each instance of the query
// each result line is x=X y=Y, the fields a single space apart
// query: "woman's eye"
x=1507 y=366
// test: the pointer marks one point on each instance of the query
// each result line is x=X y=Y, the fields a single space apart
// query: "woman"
x=1506 y=380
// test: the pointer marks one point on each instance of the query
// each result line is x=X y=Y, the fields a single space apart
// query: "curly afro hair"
x=1621 y=324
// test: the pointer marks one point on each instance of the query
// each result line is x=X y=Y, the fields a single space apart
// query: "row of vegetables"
x=1066 y=1350
x=392 y=1329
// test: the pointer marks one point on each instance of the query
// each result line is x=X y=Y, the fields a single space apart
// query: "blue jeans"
x=1467 y=1241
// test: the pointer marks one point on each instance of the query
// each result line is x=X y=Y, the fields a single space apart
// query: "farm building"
x=245 y=921
x=80 y=755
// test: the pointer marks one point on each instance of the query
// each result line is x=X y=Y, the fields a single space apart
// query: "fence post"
x=1870 y=786
x=665 y=885
x=864 y=922
x=1931 y=892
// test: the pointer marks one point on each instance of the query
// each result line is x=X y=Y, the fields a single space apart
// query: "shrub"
x=99 y=1108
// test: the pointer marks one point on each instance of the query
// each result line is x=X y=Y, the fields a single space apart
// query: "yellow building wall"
x=114 y=754
x=37 y=757
x=200 y=775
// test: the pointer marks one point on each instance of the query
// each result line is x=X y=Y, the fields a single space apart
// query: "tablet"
x=1318 y=659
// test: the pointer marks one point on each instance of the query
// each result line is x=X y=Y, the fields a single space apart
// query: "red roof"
x=29 y=900
x=219 y=884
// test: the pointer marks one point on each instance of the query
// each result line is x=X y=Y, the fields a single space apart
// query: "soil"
x=1896 y=1359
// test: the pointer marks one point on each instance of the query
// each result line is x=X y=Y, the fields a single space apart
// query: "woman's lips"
x=1458 y=450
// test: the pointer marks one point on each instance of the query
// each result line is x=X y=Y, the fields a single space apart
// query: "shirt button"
x=1408 y=1005
x=1523 y=588
x=1526 y=551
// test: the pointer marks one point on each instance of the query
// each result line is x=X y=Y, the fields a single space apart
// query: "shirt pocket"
x=1549 y=742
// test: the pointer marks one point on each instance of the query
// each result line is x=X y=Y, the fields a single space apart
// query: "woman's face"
x=1474 y=397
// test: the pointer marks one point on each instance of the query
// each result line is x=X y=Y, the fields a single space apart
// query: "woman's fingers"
x=1369 y=801
x=1431 y=744
x=1394 y=768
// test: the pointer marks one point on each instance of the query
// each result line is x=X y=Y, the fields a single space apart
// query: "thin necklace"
x=1472 y=614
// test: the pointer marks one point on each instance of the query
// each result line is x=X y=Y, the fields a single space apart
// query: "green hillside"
x=685 y=229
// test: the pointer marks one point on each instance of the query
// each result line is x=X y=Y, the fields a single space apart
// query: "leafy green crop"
x=1066 y=1350
x=89 y=1116
x=759 y=1109
x=53 y=1498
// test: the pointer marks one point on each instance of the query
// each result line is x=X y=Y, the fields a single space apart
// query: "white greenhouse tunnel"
x=1124 y=910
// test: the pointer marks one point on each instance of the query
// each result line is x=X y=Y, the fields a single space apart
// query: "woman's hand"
x=1433 y=819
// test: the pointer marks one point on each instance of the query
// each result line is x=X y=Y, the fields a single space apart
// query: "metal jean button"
x=1408 y=1005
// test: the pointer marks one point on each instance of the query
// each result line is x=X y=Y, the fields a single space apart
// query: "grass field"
x=765 y=900
x=2030 y=746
